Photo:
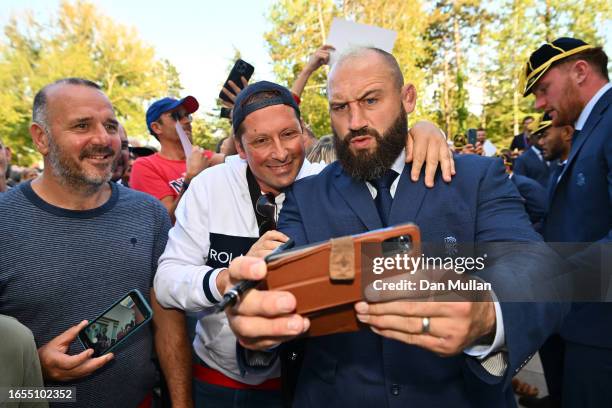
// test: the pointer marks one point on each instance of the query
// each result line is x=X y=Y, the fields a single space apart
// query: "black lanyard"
x=255 y=193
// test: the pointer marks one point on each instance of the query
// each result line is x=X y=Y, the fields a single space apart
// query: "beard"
x=368 y=165
x=71 y=173
x=569 y=107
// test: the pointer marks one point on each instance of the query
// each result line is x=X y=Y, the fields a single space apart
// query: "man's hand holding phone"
x=263 y=318
x=240 y=73
x=233 y=92
x=57 y=365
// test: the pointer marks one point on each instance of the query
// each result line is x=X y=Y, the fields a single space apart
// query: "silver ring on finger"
x=426 y=325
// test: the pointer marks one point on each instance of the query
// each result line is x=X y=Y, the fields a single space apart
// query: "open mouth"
x=361 y=141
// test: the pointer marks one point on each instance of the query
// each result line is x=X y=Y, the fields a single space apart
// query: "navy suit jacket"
x=528 y=164
x=581 y=211
x=362 y=369
x=518 y=142
x=534 y=196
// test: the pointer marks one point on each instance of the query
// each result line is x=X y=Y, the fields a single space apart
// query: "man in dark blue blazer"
x=569 y=79
x=532 y=164
x=521 y=141
x=534 y=198
x=555 y=143
x=398 y=362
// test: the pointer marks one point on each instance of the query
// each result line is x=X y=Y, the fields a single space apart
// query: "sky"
x=198 y=37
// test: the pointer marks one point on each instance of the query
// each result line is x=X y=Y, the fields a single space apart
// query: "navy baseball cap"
x=242 y=110
x=167 y=104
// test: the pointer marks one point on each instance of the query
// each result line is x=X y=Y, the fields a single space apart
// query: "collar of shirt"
x=537 y=152
x=398 y=167
x=586 y=112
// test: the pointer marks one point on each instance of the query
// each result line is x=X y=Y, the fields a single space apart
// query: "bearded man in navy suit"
x=399 y=360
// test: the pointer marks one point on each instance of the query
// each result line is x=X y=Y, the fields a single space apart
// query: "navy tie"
x=383 y=197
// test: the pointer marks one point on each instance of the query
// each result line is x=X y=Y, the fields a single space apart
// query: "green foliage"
x=299 y=28
x=204 y=133
x=445 y=48
x=80 y=42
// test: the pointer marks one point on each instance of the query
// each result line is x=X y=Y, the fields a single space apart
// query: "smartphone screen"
x=116 y=324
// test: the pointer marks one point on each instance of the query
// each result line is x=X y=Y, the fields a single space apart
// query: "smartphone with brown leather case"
x=326 y=278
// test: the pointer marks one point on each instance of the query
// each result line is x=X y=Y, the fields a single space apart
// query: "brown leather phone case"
x=326 y=278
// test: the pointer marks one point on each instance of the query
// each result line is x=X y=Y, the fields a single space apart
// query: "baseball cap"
x=242 y=110
x=167 y=104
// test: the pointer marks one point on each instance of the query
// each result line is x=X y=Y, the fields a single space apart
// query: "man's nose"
x=540 y=103
x=357 y=119
x=280 y=152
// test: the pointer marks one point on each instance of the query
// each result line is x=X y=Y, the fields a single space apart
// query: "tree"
x=452 y=31
x=81 y=42
x=300 y=27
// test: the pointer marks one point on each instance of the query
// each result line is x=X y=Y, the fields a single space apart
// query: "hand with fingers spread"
x=261 y=319
x=427 y=145
x=267 y=243
x=232 y=93
x=445 y=328
x=58 y=366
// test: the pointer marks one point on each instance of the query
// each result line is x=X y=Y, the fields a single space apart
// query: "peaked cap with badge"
x=542 y=59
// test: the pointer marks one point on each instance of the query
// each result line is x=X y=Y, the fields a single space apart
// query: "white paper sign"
x=184 y=139
x=344 y=35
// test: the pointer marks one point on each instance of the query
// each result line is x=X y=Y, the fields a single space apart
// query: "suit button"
x=395 y=389
x=293 y=356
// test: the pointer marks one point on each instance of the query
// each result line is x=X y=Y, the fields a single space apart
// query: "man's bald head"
x=361 y=53
x=39 y=110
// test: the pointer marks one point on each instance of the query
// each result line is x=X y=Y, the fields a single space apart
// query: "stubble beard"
x=71 y=174
x=570 y=106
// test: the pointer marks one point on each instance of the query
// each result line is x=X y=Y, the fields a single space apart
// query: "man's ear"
x=409 y=96
x=240 y=148
x=156 y=127
x=40 y=138
x=580 y=70
x=568 y=132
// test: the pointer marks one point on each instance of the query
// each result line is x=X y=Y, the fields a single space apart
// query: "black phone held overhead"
x=241 y=69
